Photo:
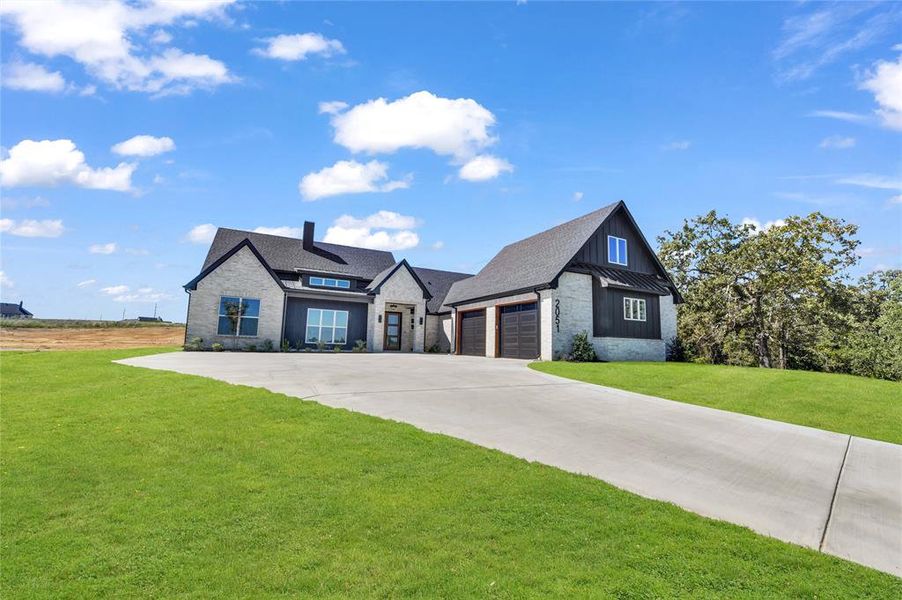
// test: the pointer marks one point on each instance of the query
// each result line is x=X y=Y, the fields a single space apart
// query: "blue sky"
x=440 y=131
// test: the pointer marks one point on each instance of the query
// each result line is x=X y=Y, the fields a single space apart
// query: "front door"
x=392 y=331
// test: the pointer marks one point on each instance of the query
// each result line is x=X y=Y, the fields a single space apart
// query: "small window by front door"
x=392 y=331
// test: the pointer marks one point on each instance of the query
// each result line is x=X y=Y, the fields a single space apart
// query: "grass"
x=118 y=481
x=870 y=408
x=79 y=324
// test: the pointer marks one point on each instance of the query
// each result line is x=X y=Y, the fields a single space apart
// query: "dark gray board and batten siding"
x=296 y=319
x=607 y=314
x=595 y=250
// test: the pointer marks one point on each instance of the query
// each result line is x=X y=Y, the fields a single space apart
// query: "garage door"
x=472 y=333
x=519 y=325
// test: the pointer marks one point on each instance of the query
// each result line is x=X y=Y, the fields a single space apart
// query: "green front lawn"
x=118 y=481
x=870 y=408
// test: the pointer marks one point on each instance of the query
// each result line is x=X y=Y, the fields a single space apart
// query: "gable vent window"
x=634 y=309
x=238 y=316
x=617 y=250
x=329 y=282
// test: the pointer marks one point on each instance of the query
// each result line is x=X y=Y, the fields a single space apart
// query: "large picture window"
x=328 y=326
x=634 y=309
x=617 y=250
x=330 y=282
x=238 y=316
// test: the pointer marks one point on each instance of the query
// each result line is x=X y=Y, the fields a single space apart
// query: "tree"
x=766 y=297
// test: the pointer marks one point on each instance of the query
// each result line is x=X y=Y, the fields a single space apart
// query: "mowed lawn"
x=870 y=408
x=122 y=482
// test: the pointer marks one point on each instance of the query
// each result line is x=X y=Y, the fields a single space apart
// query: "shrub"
x=217 y=347
x=360 y=346
x=286 y=345
x=676 y=350
x=250 y=348
x=434 y=349
x=267 y=345
x=320 y=345
x=195 y=344
x=337 y=348
x=582 y=350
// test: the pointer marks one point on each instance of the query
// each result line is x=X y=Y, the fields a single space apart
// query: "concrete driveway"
x=827 y=491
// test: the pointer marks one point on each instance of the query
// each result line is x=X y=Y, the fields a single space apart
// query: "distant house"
x=10 y=310
x=150 y=319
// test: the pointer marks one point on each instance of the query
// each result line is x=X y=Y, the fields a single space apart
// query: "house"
x=11 y=310
x=596 y=274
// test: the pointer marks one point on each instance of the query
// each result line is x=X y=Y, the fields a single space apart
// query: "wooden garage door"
x=472 y=333
x=519 y=329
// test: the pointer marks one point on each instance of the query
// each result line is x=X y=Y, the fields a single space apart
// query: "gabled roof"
x=245 y=243
x=11 y=309
x=288 y=254
x=534 y=262
x=376 y=284
x=438 y=283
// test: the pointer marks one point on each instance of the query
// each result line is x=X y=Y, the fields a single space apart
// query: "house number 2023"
x=557 y=315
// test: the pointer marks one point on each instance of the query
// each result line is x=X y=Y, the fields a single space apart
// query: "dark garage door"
x=519 y=331
x=472 y=333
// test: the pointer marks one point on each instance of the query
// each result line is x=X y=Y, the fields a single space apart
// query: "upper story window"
x=617 y=250
x=634 y=309
x=330 y=282
x=238 y=316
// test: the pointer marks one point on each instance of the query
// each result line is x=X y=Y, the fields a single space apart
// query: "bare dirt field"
x=22 y=338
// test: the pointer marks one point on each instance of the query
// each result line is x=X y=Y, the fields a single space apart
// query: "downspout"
x=187 y=314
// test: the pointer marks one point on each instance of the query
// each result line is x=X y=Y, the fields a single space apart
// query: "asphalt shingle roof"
x=11 y=309
x=438 y=283
x=532 y=262
x=288 y=254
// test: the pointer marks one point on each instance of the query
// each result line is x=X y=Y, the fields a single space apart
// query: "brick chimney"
x=308 y=234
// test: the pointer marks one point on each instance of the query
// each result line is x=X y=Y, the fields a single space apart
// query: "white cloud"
x=31 y=228
x=144 y=145
x=137 y=251
x=349 y=177
x=284 y=231
x=449 y=127
x=869 y=180
x=677 y=145
x=577 y=196
x=114 y=290
x=438 y=245
x=32 y=77
x=8 y=203
x=161 y=36
x=896 y=199
x=819 y=36
x=201 y=234
x=383 y=219
x=384 y=230
x=86 y=283
x=6 y=281
x=837 y=142
x=106 y=39
x=758 y=226
x=103 y=248
x=53 y=162
x=839 y=115
x=885 y=82
x=484 y=167
x=144 y=294
x=332 y=108
x=299 y=46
